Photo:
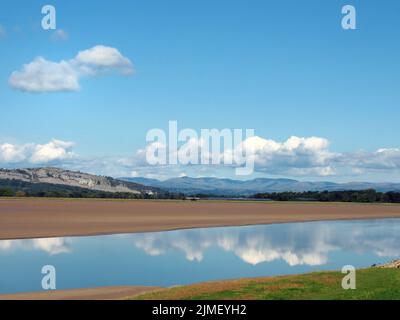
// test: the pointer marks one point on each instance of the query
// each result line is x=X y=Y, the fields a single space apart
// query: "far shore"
x=22 y=218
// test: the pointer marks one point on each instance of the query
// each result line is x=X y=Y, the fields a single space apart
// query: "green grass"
x=372 y=284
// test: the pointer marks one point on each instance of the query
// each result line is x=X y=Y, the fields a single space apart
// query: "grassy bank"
x=372 y=283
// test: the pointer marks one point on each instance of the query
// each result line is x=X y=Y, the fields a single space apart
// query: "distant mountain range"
x=55 y=179
x=47 y=178
x=229 y=187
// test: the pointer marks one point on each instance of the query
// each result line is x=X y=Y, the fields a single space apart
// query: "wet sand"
x=102 y=293
x=38 y=218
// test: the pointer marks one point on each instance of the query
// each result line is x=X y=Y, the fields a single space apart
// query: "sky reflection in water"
x=187 y=256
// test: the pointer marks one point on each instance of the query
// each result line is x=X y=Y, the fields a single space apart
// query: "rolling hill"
x=230 y=187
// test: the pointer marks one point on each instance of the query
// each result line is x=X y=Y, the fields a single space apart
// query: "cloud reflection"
x=51 y=246
x=296 y=244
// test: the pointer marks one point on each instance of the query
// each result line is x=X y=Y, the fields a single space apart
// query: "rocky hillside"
x=395 y=264
x=68 y=178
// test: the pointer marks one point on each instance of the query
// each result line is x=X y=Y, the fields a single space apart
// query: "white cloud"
x=45 y=76
x=10 y=153
x=297 y=155
x=42 y=75
x=59 y=34
x=105 y=57
x=53 y=151
x=381 y=159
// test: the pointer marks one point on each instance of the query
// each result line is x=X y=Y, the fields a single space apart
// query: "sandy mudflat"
x=102 y=293
x=35 y=218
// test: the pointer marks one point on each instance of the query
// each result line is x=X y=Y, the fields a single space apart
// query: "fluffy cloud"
x=105 y=57
x=53 y=151
x=10 y=153
x=42 y=75
x=296 y=156
x=299 y=156
x=381 y=159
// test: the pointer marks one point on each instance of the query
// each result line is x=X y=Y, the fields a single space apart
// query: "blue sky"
x=284 y=68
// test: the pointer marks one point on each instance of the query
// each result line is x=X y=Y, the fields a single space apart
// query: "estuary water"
x=195 y=255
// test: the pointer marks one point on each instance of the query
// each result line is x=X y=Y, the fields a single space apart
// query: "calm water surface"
x=188 y=256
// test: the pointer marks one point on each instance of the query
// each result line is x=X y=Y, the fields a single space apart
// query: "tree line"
x=366 y=196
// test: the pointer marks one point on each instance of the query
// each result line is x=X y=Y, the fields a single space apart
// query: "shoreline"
x=43 y=218
x=198 y=290
x=99 y=293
